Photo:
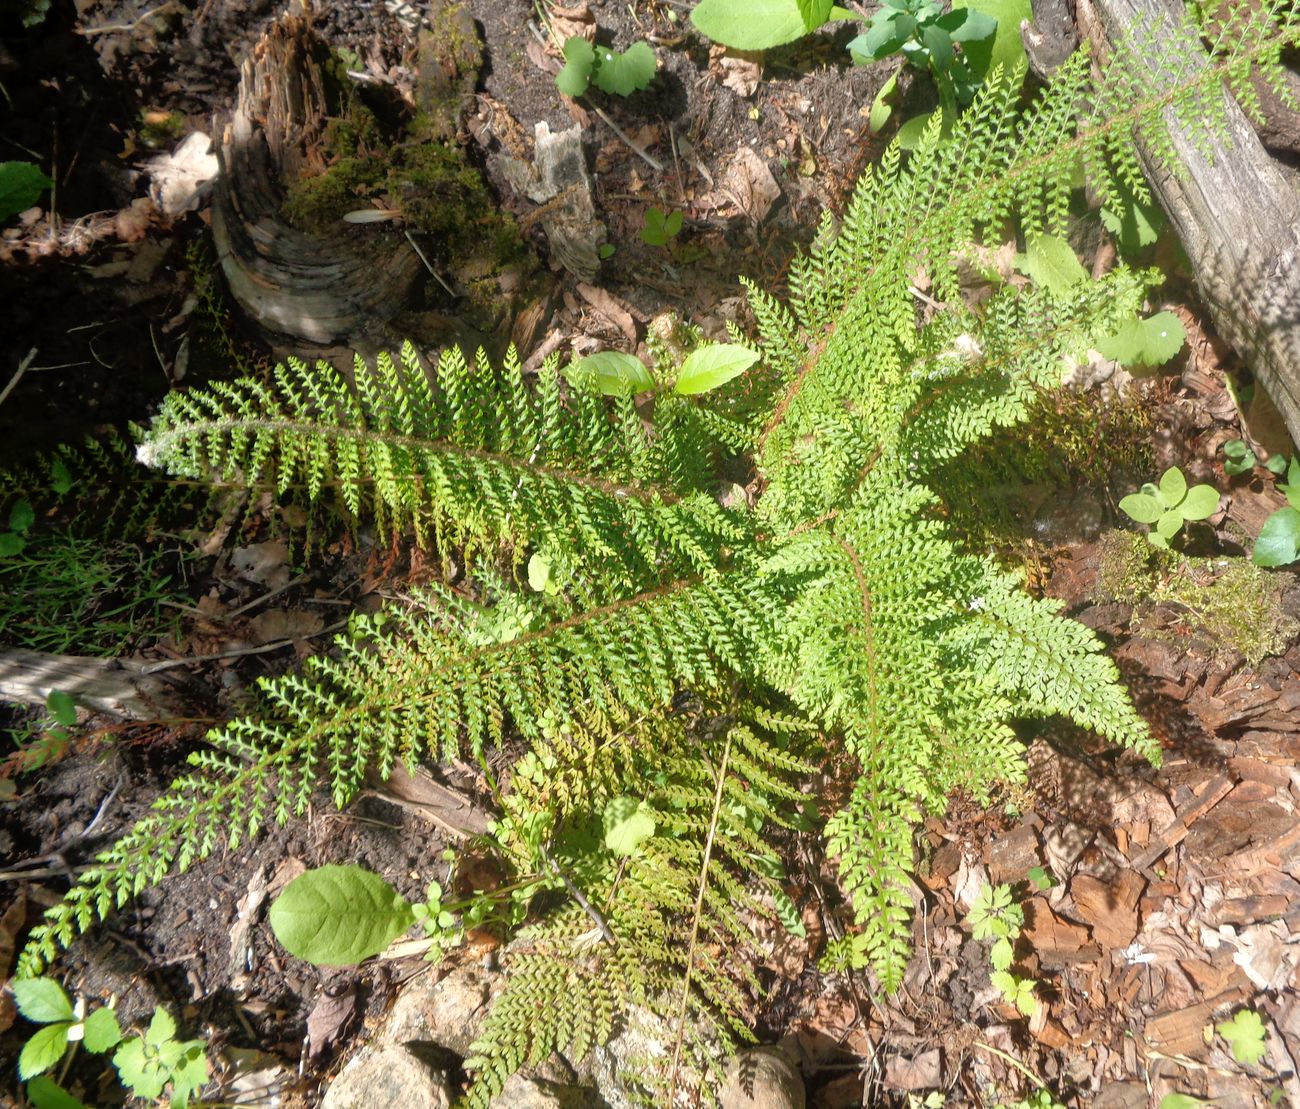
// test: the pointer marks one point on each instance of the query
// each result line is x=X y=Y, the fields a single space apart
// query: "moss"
x=444 y=196
x=1229 y=602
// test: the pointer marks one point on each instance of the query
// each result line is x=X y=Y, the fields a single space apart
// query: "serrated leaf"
x=1279 y=539
x=43 y=1050
x=1133 y=223
x=709 y=366
x=139 y=1071
x=189 y=1075
x=21 y=185
x=1245 y=1034
x=1001 y=954
x=1201 y=502
x=21 y=516
x=1173 y=487
x=749 y=24
x=60 y=477
x=339 y=915
x=102 y=1031
x=1051 y=262
x=1149 y=342
x=1142 y=507
x=814 y=12
x=42 y=1000
x=44 y=1093
x=625 y=73
x=161 y=1028
x=614 y=372
x=627 y=823
x=579 y=61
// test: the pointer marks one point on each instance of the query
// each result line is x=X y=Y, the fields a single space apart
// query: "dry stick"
x=436 y=276
x=649 y=160
x=237 y=652
x=114 y=28
x=578 y=896
x=695 y=918
x=18 y=374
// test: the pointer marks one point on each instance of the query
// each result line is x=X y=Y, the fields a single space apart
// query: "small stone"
x=387 y=1075
x=763 y=1078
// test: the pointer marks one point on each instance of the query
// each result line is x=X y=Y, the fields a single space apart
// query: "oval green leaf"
x=21 y=516
x=45 y=1093
x=711 y=366
x=628 y=823
x=102 y=1031
x=1173 y=486
x=1279 y=539
x=42 y=1000
x=43 y=1050
x=339 y=915
x=613 y=372
x=1051 y=262
x=1141 y=507
x=1201 y=502
x=749 y=24
x=1169 y=523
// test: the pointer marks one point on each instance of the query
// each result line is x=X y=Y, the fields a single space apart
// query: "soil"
x=1176 y=895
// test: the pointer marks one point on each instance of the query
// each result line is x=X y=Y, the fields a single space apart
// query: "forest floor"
x=1158 y=902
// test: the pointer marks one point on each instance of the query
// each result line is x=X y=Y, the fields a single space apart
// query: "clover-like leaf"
x=709 y=366
x=339 y=915
x=1246 y=1035
x=625 y=73
x=139 y=1069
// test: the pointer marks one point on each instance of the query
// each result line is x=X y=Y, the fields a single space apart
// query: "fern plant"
x=837 y=622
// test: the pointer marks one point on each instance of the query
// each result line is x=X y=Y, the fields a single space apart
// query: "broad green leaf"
x=539 y=573
x=1141 y=507
x=21 y=516
x=967 y=25
x=579 y=60
x=1245 y=1034
x=42 y=1000
x=814 y=12
x=1169 y=523
x=1279 y=539
x=339 y=915
x=627 y=823
x=881 y=109
x=613 y=372
x=1201 y=502
x=1182 y=1101
x=880 y=40
x=43 y=1050
x=21 y=185
x=11 y=543
x=62 y=706
x=625 y=73
x=1004 y=47
x=138 y=1070
x=1051 y=262
x=1277 y=464
x=1149 y=342
x=939 y=46
x=44 y=1093
x=1173 y=486
x=749 y=24
x=1133 y=223
x=710 y=366
x=102 y=1031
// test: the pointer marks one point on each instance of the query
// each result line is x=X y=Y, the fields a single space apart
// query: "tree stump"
x=320 y=287
x=1237 y=214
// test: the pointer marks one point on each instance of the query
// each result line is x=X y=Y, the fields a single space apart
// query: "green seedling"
x=21 y=518
x=146 y=1064
x=1246 y=1034
x=995 y=915
x=1279 y=539
x=660 y=227
x=621 y=74
x=21 y=185
x=1169 y=505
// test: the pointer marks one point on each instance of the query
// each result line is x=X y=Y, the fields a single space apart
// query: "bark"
x=1236 y=212
x=116 y=686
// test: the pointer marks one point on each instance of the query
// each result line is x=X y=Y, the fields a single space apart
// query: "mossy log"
x=1236 y=212
x=325 y=286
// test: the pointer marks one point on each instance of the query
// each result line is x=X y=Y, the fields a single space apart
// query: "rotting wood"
x=322 y=287
x=116 y=686
x=1236 y=213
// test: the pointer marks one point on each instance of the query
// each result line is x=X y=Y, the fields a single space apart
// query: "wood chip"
x=1182 y=1032
x=1176 y=832
x=1110 y=909
x=1057 y=942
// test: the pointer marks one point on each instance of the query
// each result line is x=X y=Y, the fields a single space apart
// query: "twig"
x=1013 y=1061
x=237 y=652
x=436 y=276
x=103 y=808
x=18 y=374
x=579 y=897
x=114 y=28
x=265 y=597
x=652 y=162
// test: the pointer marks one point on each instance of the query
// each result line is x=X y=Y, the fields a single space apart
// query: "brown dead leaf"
x=925 y=1072
x=575 y=19
x=750 y=184
x=739 y=70
x=270 y=627
x=1110 y=909
x=329 y=1017
x=610 y=307
x=1057 y=941
x=262 y=563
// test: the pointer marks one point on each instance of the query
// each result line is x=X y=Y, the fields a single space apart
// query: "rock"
x=388 y=1074
x=528 y=1093
x=763 y=1078
x=447 y=1011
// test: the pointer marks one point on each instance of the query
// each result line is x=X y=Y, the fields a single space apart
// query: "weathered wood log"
x=1237 y=214
x=320 y=287
x=120 y=687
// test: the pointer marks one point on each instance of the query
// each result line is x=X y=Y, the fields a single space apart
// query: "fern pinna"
x=836 y=622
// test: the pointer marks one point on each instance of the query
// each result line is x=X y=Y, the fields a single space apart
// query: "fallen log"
x=1237 y=214
x=120 y=687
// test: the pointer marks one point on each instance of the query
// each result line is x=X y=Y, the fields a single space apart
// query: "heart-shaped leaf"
x=625 y=73
x=749 y=24
x=710 y=366
x=579 y=61
x=339 y=915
